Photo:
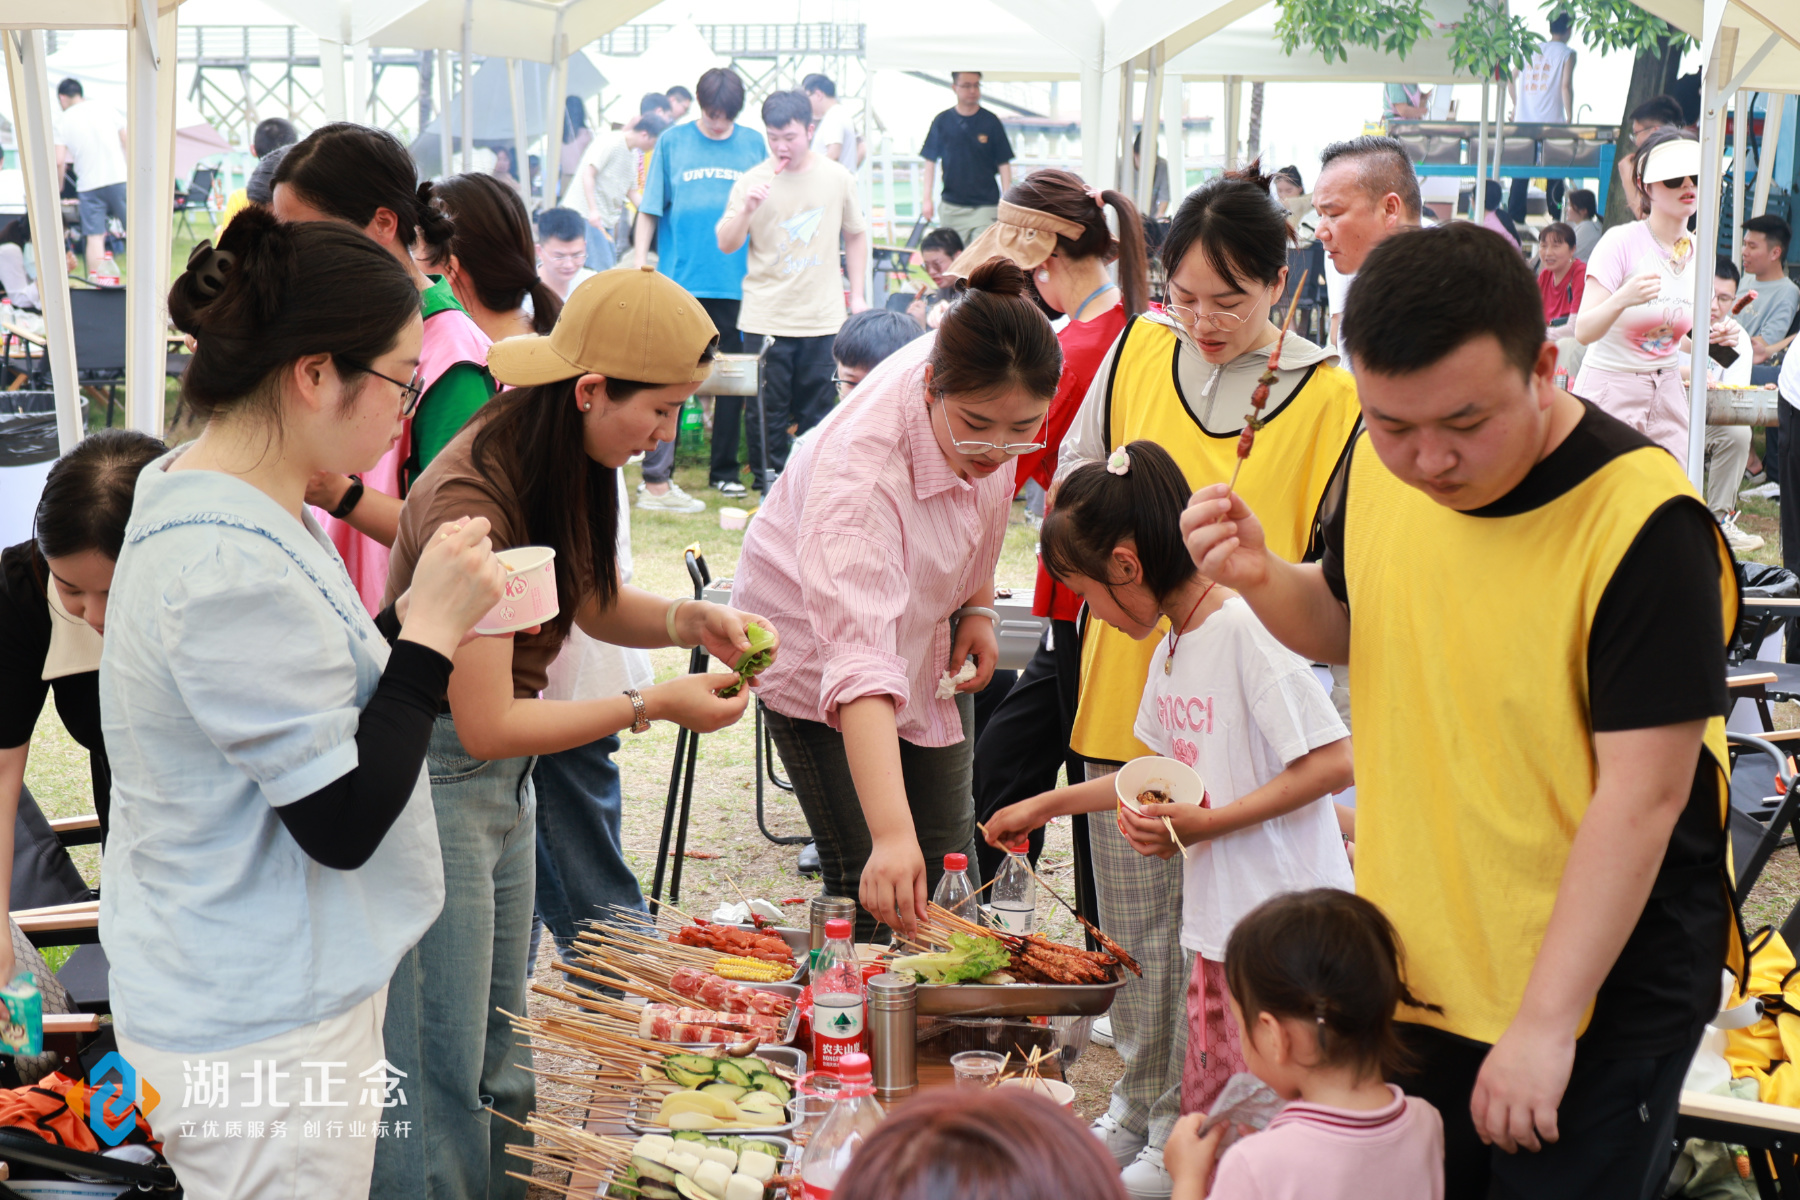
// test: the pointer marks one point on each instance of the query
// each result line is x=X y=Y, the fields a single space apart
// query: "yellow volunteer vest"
x=1469 y=701
x=1284 y=483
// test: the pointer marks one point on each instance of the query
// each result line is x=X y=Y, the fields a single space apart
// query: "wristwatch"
x=352 y=497
x=640 y=721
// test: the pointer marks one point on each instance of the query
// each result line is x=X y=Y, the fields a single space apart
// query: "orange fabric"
x=55 y=1108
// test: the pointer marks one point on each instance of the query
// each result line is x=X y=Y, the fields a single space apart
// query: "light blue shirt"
x=238 y=659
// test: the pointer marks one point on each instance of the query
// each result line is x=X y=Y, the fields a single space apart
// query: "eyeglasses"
x=1010 y=449
x=573 y=256
x=1222 y=322
x=410 y=393
x=843 y=385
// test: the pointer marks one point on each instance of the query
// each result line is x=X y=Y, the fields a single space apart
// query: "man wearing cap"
x=540 y=462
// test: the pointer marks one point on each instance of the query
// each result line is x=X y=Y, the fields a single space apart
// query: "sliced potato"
x=695 y=1120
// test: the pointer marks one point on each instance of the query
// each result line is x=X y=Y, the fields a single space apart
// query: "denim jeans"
x=461 y=1056
x=938 y=781
x=581 y=871
x=601 y=254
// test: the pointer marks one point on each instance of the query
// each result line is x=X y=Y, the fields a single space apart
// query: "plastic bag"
x=1244 y=1101
x=1759 y=581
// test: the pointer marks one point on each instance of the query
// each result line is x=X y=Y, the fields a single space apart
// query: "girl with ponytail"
x=273 y=852
x=349 y=172
x=1224 y=697
x=1055 y=228
x=1182 y=377
x=874 y=558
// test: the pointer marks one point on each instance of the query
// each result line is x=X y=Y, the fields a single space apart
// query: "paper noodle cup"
x=529 y=595
x=1182 y=783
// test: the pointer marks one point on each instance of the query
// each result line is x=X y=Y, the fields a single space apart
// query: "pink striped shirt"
x=865 y=546
x=1314 y=1152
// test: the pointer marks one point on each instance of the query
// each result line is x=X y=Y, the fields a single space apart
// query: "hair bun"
x=1252 y=173
x=999 y=277
x=241 y=278
x=434 y=224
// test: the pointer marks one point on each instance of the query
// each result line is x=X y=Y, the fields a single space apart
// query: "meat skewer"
x=1260 y=395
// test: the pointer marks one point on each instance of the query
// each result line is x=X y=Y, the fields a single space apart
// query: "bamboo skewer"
x=1254 y=419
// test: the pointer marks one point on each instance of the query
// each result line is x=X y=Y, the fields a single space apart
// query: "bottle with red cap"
x=1013 y=905
x=837 y=1009
x=954 y=891
x=853 y=1117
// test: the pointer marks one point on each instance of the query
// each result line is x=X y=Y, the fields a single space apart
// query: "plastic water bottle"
x=954 y=891
x=1014 y=902
x=107 y=274
x=837 y=987
x=852 y=1119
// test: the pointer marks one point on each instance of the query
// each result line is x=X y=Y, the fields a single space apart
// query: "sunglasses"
x=1681 y=181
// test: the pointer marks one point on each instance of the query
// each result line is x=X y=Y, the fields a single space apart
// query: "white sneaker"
x=1739 y=541
x=1145 y=1178
x=672 y=501
x=1101 y=1033
x=1121 y=1143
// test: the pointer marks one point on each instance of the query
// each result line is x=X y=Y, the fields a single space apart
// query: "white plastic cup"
x=733 y=518
x=1179 y=781
x=529 y=595
x=1058 y=1091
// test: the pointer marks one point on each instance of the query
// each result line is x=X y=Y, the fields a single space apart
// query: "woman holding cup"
x=539 y=463
x=273 y=852
x=881 y=535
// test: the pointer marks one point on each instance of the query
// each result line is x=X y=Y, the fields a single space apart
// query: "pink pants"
x=1655 y=403
x=1214 y=1054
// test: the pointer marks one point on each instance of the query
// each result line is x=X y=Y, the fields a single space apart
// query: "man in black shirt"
x=1534 y=603
x=971 y=143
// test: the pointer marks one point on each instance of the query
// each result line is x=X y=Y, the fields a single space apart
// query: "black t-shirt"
x=971 y=149
x=1656 y=656
x=24 y=645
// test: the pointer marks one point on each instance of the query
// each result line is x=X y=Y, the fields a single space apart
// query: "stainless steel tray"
x=1018 y=999
x=790 y=990
x=798 y=940
x=790 y=1156
x=788 y=1058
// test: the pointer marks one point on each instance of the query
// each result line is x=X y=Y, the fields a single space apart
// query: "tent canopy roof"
x=1249 y=49
x=73 y=14
x=502 y=28
x=1756 y=22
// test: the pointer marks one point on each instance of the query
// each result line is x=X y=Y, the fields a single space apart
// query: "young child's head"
x=1315 y=980
x=1113 y=536
x=865 y=339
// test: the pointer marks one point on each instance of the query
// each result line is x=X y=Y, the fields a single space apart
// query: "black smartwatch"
x=352 y=497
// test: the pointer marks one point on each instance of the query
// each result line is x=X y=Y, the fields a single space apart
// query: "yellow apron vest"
x=1284 y=483
x=1469 y=700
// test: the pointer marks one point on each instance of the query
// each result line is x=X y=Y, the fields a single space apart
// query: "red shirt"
x=1563 y=299
x=1084 y=345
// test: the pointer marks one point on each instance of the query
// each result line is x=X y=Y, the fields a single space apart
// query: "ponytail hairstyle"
x=1063 y=194
x=1331 y=958
x=87 y=495
x=994 y=338
x=1237 y=223
x=491 y=239
x=273 y=292
x=1135 y=496
x=351 y=171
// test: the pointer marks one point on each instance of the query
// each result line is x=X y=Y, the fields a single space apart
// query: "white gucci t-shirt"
x=1238 y=707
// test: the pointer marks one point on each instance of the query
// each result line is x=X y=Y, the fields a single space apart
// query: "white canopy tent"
x=1745 y=45
x=150 y=121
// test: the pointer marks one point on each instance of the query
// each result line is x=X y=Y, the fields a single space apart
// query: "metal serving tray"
x=788 y=1058
x=790 y=1155
x=790 y=990
x=1018 y=999
x=798 y=940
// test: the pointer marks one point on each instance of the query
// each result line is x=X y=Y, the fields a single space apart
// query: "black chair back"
x=200 y=187
x=99 y=317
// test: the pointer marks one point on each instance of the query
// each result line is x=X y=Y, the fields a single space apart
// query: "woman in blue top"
x=273 y=851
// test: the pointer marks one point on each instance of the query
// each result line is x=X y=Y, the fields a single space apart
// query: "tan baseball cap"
x=623 y=324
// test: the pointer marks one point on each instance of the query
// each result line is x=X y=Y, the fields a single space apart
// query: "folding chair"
x=681 y=774
x=198 y=196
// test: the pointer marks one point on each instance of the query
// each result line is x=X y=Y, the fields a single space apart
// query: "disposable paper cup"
x=1056 y=1089
x=1182 y=783
x=733 y=518
x=529 y=595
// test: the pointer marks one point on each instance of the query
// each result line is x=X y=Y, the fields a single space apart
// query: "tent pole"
x=1712 y=114
x=445 y=148
x=515 y=99
x=1234 y=87
x=1093 y=120
x=1765 y=162
x=331 y=70
x=559 y=73
x=1121 y=146
x=28 y=76
x=150 y=119
x=1175 y=131
x=1478 y=202
x=553 y=123
x=468 y=90
x=1146 y=171
x=1741 y=106
x=359 y=82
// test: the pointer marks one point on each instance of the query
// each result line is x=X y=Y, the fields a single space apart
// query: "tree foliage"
x=1486 y=41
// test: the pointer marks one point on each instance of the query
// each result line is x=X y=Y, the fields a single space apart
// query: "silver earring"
x=1043 y=277
x=586 y=407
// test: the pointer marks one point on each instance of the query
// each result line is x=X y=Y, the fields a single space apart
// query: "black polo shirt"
x=971 y=150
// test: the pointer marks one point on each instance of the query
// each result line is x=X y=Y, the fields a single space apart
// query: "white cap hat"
x=1676 y=158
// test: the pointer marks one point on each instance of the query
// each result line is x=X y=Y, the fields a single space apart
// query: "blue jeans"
x=601 y=255
x=581 y=871
x=459 y=1055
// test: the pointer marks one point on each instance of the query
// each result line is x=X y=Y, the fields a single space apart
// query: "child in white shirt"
x=1222 y=696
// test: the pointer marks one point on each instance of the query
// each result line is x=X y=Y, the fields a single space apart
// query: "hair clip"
x=209 y=266
x=1119 y=462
